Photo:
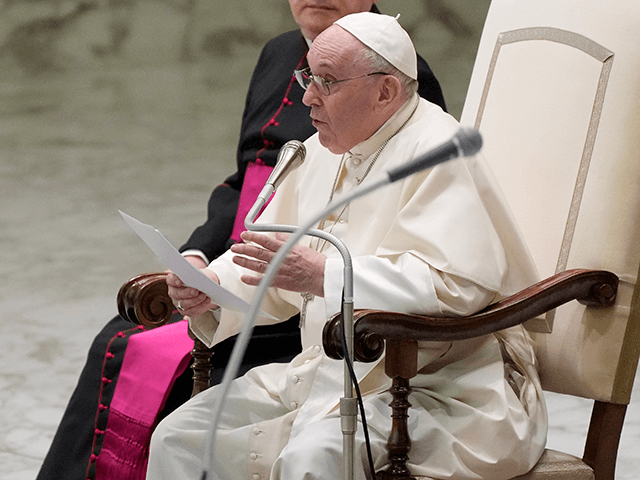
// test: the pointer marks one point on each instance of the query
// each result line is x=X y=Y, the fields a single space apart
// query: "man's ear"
x=390 y=90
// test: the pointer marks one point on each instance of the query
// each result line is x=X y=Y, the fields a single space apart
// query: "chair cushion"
x=551 y=466
x=558 y=465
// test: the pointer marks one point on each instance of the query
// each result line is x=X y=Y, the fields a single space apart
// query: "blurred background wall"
x=132 y=105
x=136 y=105
x=45 y=37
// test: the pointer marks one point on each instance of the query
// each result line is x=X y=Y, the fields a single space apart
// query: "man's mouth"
x=319 y=6
x=317 y=122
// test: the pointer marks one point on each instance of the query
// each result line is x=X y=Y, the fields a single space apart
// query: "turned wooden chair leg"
x=401 y=366
x=399 y=442
x=201 y=365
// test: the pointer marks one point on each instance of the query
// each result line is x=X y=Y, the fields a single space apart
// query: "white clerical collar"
x=307 y=40
x=365 y=149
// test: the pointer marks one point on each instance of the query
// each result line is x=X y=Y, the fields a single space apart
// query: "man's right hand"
x=189 y=301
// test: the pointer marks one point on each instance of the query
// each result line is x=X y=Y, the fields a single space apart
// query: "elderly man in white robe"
x=441 y=242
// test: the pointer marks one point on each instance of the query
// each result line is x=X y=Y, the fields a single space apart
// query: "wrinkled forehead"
x=335 y=49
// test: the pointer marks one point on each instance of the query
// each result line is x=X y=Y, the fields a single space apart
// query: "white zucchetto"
x=384 y=35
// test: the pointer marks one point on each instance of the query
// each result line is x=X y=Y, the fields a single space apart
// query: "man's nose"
x=311 y=95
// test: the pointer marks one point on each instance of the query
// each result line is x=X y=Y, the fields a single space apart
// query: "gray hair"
x=378 y=63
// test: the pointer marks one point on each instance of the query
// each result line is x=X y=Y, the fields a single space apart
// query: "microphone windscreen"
x=464 y=143
x=290 y=157
x=470 y=141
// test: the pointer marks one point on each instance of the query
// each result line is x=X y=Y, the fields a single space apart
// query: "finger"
x=195 y=311
x=254 y=265
x=184 y=305
x=182 y=293
x=253 y=251
x=250 y=280
x=174 y=281
x=264 y=241
x=282 y=237
x=195 y=307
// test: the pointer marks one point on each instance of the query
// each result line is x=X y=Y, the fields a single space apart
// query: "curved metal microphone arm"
x=250 y=224
x=243 y=338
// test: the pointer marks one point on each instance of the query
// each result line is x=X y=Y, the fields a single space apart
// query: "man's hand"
x=194 y=260
x=301 y=271
x=189 y=301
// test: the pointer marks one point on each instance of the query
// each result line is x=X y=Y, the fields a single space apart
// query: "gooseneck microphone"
x=290 y=157
x=465 y=143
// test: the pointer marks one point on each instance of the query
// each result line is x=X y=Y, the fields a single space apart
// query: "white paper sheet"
x=190 y=275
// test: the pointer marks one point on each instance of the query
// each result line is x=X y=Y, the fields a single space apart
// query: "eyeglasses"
x=305 y=77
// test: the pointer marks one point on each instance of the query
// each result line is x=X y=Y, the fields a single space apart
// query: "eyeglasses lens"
x=305 y=77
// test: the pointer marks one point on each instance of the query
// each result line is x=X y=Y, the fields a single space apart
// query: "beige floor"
x=74 y=150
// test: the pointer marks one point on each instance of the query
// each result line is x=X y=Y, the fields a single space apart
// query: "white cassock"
x=441 y=242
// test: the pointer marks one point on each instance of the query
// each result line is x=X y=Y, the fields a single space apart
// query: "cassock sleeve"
x=404 y=283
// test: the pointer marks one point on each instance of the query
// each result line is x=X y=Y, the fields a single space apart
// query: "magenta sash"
x=152 y=362
x=255 y=177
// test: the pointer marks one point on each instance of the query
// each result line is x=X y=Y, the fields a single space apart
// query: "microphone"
x=290 y=157
x=466 y=142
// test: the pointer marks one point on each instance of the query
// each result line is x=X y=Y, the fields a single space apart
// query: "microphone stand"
x=348 y=403
x=237 y=354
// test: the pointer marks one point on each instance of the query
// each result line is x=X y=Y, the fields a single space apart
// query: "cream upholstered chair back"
x=555 y=91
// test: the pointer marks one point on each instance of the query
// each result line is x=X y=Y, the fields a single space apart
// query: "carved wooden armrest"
x=144 y=300
x=372 y=327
